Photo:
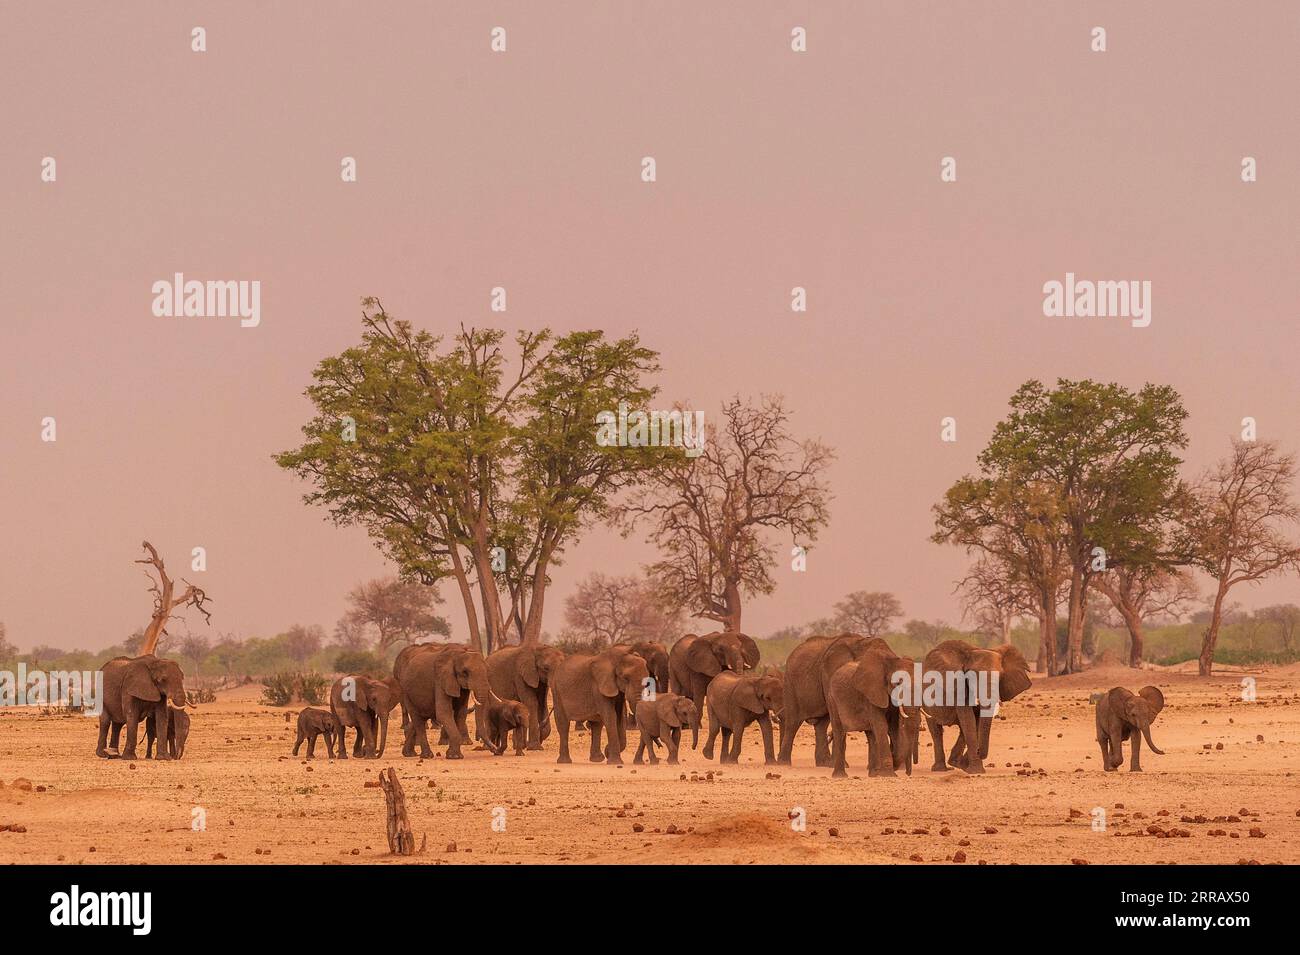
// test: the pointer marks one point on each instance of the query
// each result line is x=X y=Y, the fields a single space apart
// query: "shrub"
x=312 y=688
x=359 y=661
x=279 y=689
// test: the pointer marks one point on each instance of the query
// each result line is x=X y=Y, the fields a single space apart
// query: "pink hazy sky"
x=521 y=169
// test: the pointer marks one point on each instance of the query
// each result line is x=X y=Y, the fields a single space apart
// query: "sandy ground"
x=1035 y=805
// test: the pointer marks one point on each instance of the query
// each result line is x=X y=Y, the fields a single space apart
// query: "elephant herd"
x=841 y=685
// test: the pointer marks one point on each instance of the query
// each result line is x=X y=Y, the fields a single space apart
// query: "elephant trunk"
x=695 y=733
x=1146 y=733
x=383 y=734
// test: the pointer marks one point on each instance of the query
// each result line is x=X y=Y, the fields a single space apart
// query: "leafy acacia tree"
x=708 y=513
x=459 y=466
x=868 y=613
x=1017 y=526
x=1239 y=526
x=1107 y=455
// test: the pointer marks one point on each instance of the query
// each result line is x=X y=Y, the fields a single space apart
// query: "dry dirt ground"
x=1230 y=769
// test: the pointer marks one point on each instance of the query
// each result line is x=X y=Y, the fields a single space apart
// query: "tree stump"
x=401 y=840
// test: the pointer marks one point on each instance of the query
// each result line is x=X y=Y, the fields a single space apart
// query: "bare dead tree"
x=994 y=594
x=709 y=513
x=165 y=603
x=1139 y=592
x=1244 y=505
x=868 y=613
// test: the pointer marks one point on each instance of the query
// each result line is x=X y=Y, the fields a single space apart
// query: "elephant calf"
x=661 y=720
x=497 y=719
x=1122 y=715
x=312 y=722
x=177 y=732
x=860 y=695
x=736 y=700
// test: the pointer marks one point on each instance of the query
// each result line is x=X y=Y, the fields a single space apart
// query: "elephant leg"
x=1136 y=742
x=596 y=755
x=936 y=735
x=1104 y=743
x=654 y=757
x=105 y=721
x=446 y=717
x=640 y=751
x=162 y=731
x=562 y=726
x=1116 y=750
x=343 y=740
x=674 y=744
x=714 y=727
x=789 y=727
x=421 y=727
x=966 y=718
x=838 y=739
x=358 y=744
x=609 y=718
x=736 y=736
x=619 y=709
x=113 y=744
x=881 y=756
x=958 y=755
x=822 y=752
x=765 y=727
x=297 y=744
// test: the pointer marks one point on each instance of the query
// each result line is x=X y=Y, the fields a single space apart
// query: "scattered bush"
x=282 y=688
x=360 y=661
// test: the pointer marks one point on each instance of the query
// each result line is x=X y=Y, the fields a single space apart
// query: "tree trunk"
x=731 y=596
x=467 y=595
x=532 y=630
x=1134 y=624
x=1078 y=589
x=1206 y=665
x=1047 y=632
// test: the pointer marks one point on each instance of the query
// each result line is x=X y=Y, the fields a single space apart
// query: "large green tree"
x=1104 y=461
x=462 y=463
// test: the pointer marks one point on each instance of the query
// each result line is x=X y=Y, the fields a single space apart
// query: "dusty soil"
x=1035 y=804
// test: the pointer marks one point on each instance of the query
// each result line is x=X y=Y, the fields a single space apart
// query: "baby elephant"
x=497 y=719
x=312 y=722
x=1122 y=715
x=734 y=701
x=661 y=720
x=178 y=731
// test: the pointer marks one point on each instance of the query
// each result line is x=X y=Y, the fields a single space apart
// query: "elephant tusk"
x=902 y=711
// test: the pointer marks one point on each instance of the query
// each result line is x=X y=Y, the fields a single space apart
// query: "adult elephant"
x=134 y=688
x=694 y=661
x=525 y=673
x=655 y=656
x=436 y=681
x=965 y=672
x=862 y=694
x=807 y=671
x=594 y=688
x=364 y=704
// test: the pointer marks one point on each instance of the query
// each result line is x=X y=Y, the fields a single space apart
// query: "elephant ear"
x=528 y=667
x=872 y=678
x=746 y=695
x=748 y=649
x=1154 y=697
x=701 y=658
x=1013 y=678
x=447 y=681
x=602 y=671
x=140 y=682
x=670 y=715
